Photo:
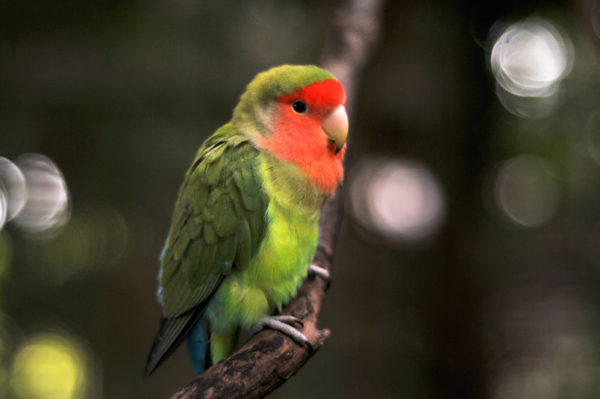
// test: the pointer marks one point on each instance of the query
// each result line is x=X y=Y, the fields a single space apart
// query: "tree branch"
x=270 y=358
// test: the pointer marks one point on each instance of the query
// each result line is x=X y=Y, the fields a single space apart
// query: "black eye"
x=299 y=106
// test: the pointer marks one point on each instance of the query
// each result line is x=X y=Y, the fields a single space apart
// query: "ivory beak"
x=335 y=126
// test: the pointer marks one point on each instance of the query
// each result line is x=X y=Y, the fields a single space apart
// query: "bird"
x=245 y=223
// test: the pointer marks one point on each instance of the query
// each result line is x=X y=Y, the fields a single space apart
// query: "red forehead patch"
x=327 y=94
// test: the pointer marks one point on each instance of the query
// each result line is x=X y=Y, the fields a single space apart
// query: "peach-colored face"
x=310 y=129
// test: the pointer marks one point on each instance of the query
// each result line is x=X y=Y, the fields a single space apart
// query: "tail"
x=171 y=332
x=199 y=347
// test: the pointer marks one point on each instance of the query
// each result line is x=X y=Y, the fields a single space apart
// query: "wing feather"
x=218 y=224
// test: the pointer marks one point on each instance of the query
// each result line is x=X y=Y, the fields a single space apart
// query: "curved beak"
x=335 y=126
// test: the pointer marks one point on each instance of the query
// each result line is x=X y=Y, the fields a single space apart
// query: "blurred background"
x=468 y=261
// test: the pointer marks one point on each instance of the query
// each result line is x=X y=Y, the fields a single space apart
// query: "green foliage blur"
x=119 y=95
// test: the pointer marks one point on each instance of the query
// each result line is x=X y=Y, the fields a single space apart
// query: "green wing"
x=218 y=224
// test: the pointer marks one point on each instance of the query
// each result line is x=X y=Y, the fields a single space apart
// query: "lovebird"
x=245 y=224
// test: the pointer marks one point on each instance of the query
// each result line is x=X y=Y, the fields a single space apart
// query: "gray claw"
x=282 y=323
x=289 y=319
x=319 y=271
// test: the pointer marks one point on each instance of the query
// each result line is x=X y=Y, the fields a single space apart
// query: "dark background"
x=119 y=95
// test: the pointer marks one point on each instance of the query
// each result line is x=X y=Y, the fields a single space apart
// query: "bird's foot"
x=314 y=270
x=285 y=324
x=319 y=271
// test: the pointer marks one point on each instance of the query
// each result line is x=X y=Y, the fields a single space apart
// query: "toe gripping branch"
x=318 y=271
x=288 y=325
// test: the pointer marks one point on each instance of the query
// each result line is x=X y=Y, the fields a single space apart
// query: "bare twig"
x=270 y=358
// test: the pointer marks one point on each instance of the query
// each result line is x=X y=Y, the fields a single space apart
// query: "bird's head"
x=298 y=113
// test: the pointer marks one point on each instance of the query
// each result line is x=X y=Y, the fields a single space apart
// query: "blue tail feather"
x=198 y=346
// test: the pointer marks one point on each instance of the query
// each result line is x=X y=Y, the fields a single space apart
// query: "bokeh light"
x=526 y=190
x=3 y=209
x=12 y=185
x=50 y=365
x=528 y=107
x=401 y=200
x=95 y=239
x=47 y=206
x=529 y=59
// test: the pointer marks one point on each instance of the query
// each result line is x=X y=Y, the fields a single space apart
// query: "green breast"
x=281 y=262
x=283 y=258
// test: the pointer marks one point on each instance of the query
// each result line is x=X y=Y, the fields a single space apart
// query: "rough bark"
x=270 y=358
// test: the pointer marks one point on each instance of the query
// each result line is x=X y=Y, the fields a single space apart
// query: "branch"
x=270 y=358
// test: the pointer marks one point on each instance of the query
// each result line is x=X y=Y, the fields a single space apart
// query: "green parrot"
x=245 y=223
